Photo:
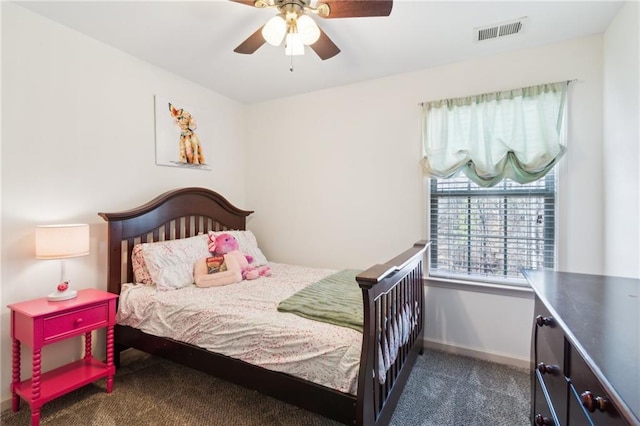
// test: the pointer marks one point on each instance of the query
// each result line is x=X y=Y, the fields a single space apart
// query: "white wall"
x=78 y=138
x=337 y=173
x=621 y=154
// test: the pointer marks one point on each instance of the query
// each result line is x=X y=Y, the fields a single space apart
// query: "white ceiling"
x=196 y=39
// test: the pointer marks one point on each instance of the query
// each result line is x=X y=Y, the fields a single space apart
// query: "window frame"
x=550 y=194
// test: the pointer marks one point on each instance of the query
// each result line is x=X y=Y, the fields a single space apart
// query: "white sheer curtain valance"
x=516 y=134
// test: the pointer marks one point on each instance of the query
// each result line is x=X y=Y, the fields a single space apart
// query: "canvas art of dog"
x=190 y=147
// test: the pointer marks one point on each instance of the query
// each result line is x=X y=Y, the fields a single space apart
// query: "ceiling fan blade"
x=252 y=43
x=324 y=47
x=247 y=2
x=357 y=8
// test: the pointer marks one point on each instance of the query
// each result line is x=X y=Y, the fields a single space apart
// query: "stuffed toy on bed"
x=217 y=271
x=227 y=245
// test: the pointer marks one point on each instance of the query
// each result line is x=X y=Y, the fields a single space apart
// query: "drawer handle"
x=548 y=369
x=543 y=421
x=78 y=322
x=542 y=321
x=593 y=403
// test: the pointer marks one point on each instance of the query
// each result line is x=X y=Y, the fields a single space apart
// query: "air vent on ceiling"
x=489 y=32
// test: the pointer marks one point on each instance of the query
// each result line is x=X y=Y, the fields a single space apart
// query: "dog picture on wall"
x=179 y=137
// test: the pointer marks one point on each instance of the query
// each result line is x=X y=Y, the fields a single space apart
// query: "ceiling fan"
x=294 y=25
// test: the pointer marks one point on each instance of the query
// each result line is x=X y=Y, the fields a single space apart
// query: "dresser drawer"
x=543 y=409
x=61 y=326
x=588 y=399
x=577 y=413
x=548 y=338
x=557 y=388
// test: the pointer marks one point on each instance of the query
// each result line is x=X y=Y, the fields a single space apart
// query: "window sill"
x=479 y=287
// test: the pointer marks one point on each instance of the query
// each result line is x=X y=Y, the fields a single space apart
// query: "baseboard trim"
x=5 y=404
x=474 y=353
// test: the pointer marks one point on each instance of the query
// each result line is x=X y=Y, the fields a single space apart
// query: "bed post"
x=393 y=298
x=114 y=257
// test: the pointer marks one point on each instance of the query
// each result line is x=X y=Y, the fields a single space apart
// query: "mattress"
x=242 y=321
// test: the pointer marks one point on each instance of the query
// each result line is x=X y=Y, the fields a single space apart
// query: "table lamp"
x=62 y=242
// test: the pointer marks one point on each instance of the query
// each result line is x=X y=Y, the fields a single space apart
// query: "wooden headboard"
x=176 y=214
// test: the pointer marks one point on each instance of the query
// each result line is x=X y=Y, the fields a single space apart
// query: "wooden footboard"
x=393 y=331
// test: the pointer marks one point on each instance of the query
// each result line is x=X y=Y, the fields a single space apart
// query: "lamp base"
x=58 y=296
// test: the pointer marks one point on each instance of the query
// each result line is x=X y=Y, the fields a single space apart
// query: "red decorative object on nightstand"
x=40 y=322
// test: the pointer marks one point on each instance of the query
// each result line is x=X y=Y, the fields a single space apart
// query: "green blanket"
x=336 y=299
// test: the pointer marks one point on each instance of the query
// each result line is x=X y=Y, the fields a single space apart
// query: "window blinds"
x=490 y=234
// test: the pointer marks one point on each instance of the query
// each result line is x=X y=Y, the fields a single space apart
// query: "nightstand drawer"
x=59 y=326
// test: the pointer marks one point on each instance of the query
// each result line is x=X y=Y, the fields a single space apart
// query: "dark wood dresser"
x=585 y=358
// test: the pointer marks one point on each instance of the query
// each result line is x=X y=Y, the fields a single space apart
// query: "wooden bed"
x=385 y=288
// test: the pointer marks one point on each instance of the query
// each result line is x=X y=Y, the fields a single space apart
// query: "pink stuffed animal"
x=226 y=244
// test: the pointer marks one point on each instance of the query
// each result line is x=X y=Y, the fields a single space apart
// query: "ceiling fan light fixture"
x=274 y=30
x=308 y=30
x=293 y=45
x=298 y=29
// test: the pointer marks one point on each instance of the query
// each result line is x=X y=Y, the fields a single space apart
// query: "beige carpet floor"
x=443 y=390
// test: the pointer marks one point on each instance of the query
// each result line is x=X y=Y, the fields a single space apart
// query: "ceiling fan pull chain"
x=291 y=65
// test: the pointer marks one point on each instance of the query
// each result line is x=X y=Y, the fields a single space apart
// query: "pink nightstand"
x=40 y=322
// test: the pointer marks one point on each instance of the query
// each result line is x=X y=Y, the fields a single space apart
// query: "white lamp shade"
x=294 y=45
x=274 y=30
x=308 y=30
x=62 y=241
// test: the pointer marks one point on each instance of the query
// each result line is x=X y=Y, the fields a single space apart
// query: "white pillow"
x=170 y=263
x=248 y=245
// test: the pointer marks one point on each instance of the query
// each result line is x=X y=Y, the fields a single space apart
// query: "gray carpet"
x=443 y=390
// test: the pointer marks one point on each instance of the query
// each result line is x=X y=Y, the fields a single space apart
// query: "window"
x=491 y=161
x=489 y=234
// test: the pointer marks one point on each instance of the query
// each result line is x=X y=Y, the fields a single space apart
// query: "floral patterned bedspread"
x=242 y=321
